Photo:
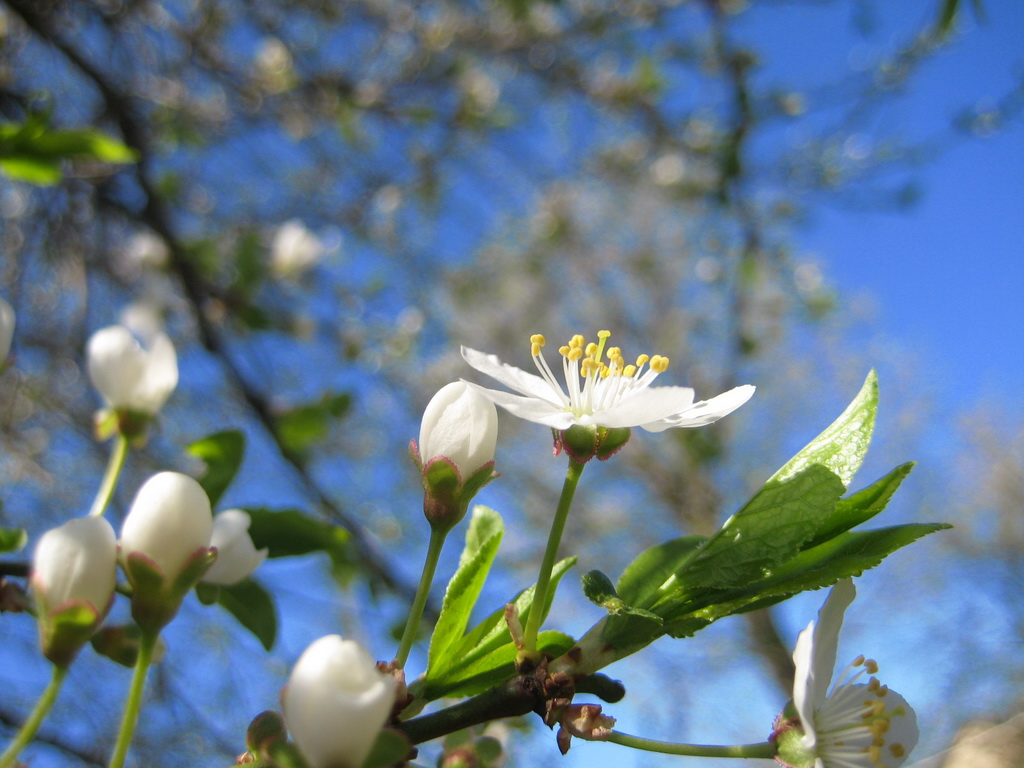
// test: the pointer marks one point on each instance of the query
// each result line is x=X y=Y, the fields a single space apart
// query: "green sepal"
x=284 y=754
x=610 y=441
x=155 y=600
x=105 y=424
x=391 y=748
x=64 y=631
x=120 y=643
x=787 y=738
x=265 y=729
x=446 y=495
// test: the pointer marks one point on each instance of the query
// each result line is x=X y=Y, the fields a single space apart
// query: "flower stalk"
x=540 y=595
x=133 y=704
x=39 y=713
x=419 y=604
x=763 y=751
x=110 y=477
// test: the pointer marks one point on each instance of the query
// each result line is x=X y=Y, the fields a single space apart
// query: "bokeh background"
x=330 y=197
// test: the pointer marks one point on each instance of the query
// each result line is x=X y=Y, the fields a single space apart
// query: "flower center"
x=853 y=724
x=596 y=376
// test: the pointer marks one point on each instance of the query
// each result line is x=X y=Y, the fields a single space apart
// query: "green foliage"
x=460 y=663
x=248 y=602
x=793 y=535
x=222 y=454
x=391 y=748
x=33 y=152
x=290 y=533
x=12 y=539
x=305 y=425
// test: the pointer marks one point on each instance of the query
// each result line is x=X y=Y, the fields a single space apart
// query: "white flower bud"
x=237 y=556
x=295 y=249
x=168 y=522
x=129 y=376
x=75 y=562
x=6 y=330
x=461 y=425
x=336 y=703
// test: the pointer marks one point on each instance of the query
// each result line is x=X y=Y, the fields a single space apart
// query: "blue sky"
x=947 y=275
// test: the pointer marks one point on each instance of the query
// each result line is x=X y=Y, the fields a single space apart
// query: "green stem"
x=147 y=643
x=412 y=624
x=31 y=726
x=763 y=751
x=114 y=466
x=540 y=594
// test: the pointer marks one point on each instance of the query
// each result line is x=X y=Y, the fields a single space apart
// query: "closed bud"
x=129 y=377
x=165 y=545
x=455 y=455
x=73 y=575
x=237 y=556
x=336 y=703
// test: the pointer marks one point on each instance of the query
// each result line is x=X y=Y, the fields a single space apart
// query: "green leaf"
x=769 y=529
x=33 y=170
x=483 y=537
x=83 y=142
x=222 y=454
x=290 y=533
x=644 y=578
x=303 y=426
x=599 y=590
x=842 y=446
x=254 y=608
x=12 y=539
x=487 y=653
x=862 y=505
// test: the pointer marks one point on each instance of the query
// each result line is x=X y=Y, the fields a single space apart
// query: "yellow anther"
x=591 y=349
x=589 y=366
x=642 y=359
x=538 y=338
x=577 y=341
x=871 y=666
x=535 y=349
x=874 y=684
x=858 y=661
x=874 y=754
x=882 y=690
x=629 y=370
x=659 y=364
x=574 y=354
x=897 y=750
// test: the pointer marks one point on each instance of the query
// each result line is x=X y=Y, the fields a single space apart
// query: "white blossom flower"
x=6 y=330
x=855 y=725
x=129 y=376
x=76 y=562
x=612 y=394
x=295 y=249
x=237 y=556
x=148 y=250
x=460 y=425
x=169 y=521
x=336 y=703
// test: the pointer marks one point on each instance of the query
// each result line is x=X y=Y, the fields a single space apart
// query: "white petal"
x=514 y=378
x=902 y=731
x=160 y=376
x=649 y=405
x=815 y=656
x=705 y=411
x=529 y=408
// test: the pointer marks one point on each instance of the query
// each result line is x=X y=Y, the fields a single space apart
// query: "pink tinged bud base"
x=73 y=576
x=336 y=703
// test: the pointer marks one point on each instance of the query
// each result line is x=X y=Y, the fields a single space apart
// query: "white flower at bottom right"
x=853 y=725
